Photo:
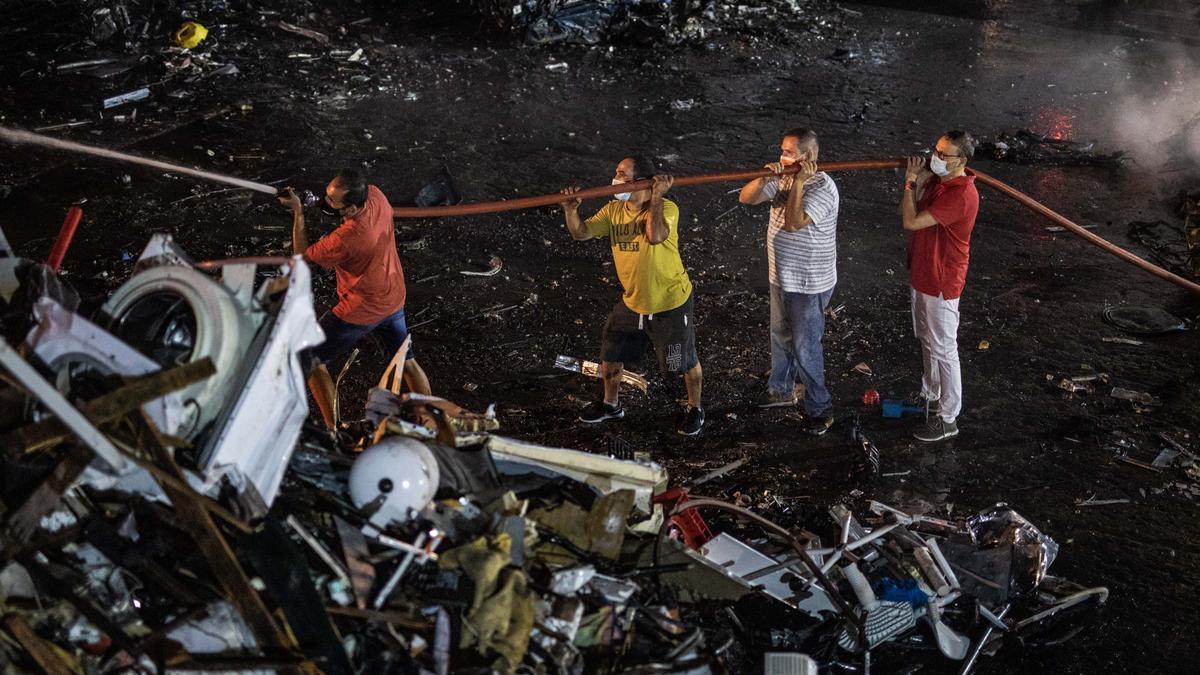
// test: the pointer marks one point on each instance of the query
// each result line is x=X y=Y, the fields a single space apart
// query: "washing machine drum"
x=176 y=315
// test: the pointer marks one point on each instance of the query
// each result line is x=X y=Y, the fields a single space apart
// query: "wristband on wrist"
x=910 y=185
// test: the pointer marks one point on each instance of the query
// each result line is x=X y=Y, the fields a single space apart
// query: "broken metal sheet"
x=257 y=432
x=603 y=473
x=790 y=585
x=569 y=580
x=1034 y=552
x=162 y=250
x=618 y=591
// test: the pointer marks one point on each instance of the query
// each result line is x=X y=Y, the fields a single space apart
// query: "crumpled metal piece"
x=1002 y=526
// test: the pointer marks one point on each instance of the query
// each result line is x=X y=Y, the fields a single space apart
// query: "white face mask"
x=787 y=161
x=938 y=165
x=623 y=196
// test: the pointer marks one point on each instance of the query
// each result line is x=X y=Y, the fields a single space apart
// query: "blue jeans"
x=797 y=324
x=341 y=336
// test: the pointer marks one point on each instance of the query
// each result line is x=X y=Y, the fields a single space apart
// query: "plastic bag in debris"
x=1033 y=552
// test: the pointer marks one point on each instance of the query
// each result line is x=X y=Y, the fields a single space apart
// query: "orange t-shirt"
x=362 y=251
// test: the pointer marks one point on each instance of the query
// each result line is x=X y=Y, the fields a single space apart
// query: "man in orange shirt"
x=370 y=281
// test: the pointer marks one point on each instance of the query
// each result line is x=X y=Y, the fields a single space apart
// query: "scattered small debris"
x=1134 y=396
x=1027 y=147
x=1092 y=501
x=306 y=32
x=495 y=264
x=592 y=369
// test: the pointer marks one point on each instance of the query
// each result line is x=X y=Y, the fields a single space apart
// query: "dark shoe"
x=937 y=430
x=598 y=411
x=692 y=420
x=816 y=426
x=773 y=400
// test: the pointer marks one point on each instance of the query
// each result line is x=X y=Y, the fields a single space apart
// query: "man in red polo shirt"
x=938 y=209
x=370 y=281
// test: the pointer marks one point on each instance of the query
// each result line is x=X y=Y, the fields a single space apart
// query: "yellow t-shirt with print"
x=651 y=274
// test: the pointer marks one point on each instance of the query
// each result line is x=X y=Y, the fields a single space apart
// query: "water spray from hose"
x=19 y=137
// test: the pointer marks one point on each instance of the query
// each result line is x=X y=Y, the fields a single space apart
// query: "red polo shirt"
x=362 y=251
x=937 y=255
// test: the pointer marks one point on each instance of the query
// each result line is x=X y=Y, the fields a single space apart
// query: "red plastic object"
x=870 y=397
x=65 y=235
x=688 y=523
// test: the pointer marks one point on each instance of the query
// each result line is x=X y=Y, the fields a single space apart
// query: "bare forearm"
x=656 y=225
x=752 y=192
x=908 y=209
x=575 y=226
x=299 y=239
x=794 y=217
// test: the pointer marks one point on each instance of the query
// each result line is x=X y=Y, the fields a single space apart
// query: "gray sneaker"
x=932 y=406
x=937 y=430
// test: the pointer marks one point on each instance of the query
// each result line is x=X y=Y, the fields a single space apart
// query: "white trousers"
x=935 y=323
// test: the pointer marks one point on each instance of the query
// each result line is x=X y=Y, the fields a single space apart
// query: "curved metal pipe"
x=853 y=165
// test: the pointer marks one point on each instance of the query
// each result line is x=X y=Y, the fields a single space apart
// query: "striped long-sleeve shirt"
x=804 y=261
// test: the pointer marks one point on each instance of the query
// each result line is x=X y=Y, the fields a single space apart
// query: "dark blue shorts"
x=341 y=336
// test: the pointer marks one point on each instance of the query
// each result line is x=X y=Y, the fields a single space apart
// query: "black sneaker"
x=598 y=411
x=816 y=426
x=692 y=420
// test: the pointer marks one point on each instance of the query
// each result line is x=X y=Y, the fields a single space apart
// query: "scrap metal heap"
x=165 y=509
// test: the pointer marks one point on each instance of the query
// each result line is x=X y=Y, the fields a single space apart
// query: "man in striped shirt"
x=802 y=269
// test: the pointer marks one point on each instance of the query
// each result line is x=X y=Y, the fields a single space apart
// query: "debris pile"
x=1028 y=147
x=165 y=508
x=591 y=22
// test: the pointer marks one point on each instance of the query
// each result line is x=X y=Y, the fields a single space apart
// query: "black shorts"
x=673 y=333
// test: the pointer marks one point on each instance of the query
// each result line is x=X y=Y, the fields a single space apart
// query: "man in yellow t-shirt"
x=643 y=229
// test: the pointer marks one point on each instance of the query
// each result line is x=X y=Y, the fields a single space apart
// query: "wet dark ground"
x=889 y=83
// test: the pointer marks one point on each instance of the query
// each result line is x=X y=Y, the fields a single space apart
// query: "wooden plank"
x=354 y=548
x=23 y=522
x=42 y=652
x=190 y=508
x=163 y=476
x=111 y=406
x=396 y=618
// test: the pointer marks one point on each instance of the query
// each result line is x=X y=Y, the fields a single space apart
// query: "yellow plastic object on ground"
x=190 y=34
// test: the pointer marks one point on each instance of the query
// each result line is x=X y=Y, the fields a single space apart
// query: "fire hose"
x=853 y=165
x=18 y=137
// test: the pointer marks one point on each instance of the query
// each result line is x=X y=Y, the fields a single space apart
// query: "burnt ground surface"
x=889 y=82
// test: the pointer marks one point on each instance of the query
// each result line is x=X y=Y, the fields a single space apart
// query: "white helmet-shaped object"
x=398 y=473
